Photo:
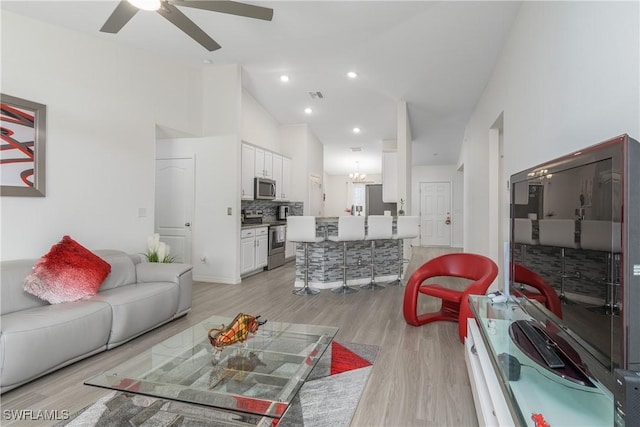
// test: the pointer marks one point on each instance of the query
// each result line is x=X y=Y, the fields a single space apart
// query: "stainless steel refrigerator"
x=374 y=204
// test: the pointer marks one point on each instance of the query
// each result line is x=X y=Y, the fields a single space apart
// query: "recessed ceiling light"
x=308 y=110
x=284 y=78
x=356 y=130
x=146 y=4
x=352 y=74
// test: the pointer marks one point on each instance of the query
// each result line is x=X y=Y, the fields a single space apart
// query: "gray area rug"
x=324 y=400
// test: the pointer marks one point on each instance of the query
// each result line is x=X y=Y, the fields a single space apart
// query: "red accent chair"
x=544 y=293
x=455 y=304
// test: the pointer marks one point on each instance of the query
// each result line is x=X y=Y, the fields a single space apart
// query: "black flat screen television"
x=575 y=221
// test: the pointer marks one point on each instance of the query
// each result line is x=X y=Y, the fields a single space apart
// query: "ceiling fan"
x=167 y=8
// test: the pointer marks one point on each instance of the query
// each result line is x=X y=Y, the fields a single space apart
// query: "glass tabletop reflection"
x=260 y=375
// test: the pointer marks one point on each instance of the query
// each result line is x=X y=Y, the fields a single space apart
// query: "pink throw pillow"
x=68 y=272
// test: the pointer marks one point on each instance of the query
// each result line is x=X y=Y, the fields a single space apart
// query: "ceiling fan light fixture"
x=146 y=4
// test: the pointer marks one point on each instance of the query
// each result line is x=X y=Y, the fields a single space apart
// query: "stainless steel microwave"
x=265 y=189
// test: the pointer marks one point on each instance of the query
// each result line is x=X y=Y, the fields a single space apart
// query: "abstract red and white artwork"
x=22 y=147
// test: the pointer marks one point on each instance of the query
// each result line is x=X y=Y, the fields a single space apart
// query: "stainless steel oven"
x=277 y=242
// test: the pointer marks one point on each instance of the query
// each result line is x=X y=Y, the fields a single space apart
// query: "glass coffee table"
x=258 y=376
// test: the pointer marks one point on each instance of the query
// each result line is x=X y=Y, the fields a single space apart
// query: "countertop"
x=264 y=224
x=320 y=219
x=335 y=218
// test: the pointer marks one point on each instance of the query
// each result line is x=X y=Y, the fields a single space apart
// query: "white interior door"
x=435 y=213
x=315 y=195
x=175 y=187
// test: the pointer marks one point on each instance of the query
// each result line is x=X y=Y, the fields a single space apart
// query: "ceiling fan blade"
x=177 y=18
x=230 y=7
x=120 y=16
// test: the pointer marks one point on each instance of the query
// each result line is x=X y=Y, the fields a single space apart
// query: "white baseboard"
x=354 y=282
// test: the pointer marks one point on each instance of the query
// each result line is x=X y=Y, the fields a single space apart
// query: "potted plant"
x=157 y=251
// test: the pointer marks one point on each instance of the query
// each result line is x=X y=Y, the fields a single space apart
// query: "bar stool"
x=605 y=236
x=350 y=228
x=523 y=235
x=302 y=229
x=379 y=227
x=407 y=227
x=562 y=233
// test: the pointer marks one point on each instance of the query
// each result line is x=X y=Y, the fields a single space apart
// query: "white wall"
x=315 y=166
x=107 y=104
x=258 y=127
x=337 y=199
x=221 y=100
x=294 y=145
x=215 y=234
x=306 y=152
x=315 y=159
x=446 y=173
x=103 y=104
x=568 y=77
x=404 y=156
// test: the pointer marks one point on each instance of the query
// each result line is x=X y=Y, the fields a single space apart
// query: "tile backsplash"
x=269 y=207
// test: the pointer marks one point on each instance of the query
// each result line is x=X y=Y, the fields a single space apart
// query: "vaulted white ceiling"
x=436 y=56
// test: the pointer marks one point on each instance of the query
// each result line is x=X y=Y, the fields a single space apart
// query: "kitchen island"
x=325 y=259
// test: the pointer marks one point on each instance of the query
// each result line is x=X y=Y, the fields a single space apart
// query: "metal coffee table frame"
x=259 y=376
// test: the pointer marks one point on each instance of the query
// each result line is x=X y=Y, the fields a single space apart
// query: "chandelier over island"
x=356 y=176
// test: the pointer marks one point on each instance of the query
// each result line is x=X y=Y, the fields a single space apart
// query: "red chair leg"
x=410 y=304
x=448 y=310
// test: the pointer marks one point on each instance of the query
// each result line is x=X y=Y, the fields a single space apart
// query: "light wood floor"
x=419 y=378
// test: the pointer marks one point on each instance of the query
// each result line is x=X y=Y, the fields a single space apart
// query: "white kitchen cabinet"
x=289 y=249
x=277 y=174
x=390 y=177
x=263 y=163
x=268 y=164
x=259 y=163
x=282 y=176
x=262 y=247
x=248 y=171
x=247 y=251
x=254 y=248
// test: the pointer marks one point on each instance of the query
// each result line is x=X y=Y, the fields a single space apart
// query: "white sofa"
x=37 y=337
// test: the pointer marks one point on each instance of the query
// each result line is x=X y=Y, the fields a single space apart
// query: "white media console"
x=535 y=393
